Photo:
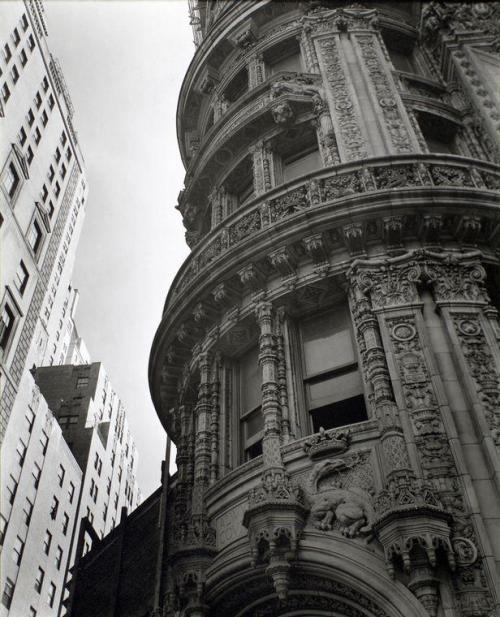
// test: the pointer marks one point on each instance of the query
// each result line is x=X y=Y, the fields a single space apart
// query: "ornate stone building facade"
x=328 y=359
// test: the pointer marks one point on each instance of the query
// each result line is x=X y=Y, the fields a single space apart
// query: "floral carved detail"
x=397 y=176
x=244 y=227
x=391 y=285
x=341 y=185
x=350 y=132
x=482 y=368
x=288 y=204
x=450 y=176
x=455 y=281
x=385 y=92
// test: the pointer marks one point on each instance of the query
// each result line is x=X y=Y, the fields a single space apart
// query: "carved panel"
x=341 y=102
x=386 y=95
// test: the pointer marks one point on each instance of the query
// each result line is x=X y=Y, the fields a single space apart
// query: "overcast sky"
x=124 y=62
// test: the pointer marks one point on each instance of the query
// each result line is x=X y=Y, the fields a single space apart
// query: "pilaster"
x=263 y=167
x=256 y=70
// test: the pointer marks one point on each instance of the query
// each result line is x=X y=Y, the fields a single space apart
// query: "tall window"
x=301 y=163
x=440 y=135
x=22 y=277
x=39 y=580
x=17 y=550
x=35 y=237
x=8 y=592
x=65 y=524
x=58 y=558
x=11 y=180
x=11 y=489
x=51 y=596
x=28 y=511
x=60 y=475
x=7 y=321
x=251 y=419
x=332 y=382
x=284 y=56
x=47 y=541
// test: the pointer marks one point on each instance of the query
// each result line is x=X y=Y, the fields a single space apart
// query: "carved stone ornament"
x=410 y=517
x=327 y=443
x=282 y=113
x=456 y=17
x=342 y=505
x=275 y=518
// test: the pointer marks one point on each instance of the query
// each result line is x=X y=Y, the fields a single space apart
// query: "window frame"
x=36 y=249
x=22 y=277
x=306 y=410
x=244 y=443
x=8 y=302
x=12 y=193
x=7 y=596
x=39 y=580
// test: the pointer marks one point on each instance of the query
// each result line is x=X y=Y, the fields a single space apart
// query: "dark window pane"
x=347 y=411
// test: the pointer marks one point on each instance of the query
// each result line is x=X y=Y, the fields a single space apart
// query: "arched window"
x=333 y=387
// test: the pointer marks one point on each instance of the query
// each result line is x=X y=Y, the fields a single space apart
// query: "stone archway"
x=332 y=577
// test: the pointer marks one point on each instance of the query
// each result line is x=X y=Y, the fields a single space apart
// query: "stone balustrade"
x=327 y=186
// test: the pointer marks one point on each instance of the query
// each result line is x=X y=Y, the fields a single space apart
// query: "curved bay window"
x=332 y=381
x=250 y=405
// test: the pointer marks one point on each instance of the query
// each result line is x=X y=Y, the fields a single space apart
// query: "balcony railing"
x=242 y=113
x=328 y=186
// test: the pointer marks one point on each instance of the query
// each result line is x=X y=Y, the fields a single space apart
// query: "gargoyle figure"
x=294 y=87
x=350 y=507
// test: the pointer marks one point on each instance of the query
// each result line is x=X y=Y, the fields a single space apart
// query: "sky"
x=124 y=62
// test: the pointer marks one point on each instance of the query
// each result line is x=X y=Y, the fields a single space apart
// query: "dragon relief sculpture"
x=351 y=508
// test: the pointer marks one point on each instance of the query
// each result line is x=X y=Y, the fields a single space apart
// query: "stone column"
x=263 y=167
x=219 y=105
x=326 y=133
x=214 y=421
x=215 y=206
x=202 y=440
x=394 y=450
x=256 y=70
x=282 y=376
x=307 y=48
x=471 y=323
x=268 y=360
x=276 y=507
x=429 y=430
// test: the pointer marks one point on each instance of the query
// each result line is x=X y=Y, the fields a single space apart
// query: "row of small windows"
x=11 y=183
x=16 y=37
x=8 y=591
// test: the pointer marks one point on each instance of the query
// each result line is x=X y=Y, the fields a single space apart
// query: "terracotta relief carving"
x=349 y=131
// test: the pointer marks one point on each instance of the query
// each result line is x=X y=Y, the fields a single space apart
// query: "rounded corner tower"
x=328 y=361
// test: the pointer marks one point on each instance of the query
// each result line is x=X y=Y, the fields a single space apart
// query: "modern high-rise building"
x=42 y=197
x=42 y=202
x=67 y=453
x=95 y=427
x=328 y=361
